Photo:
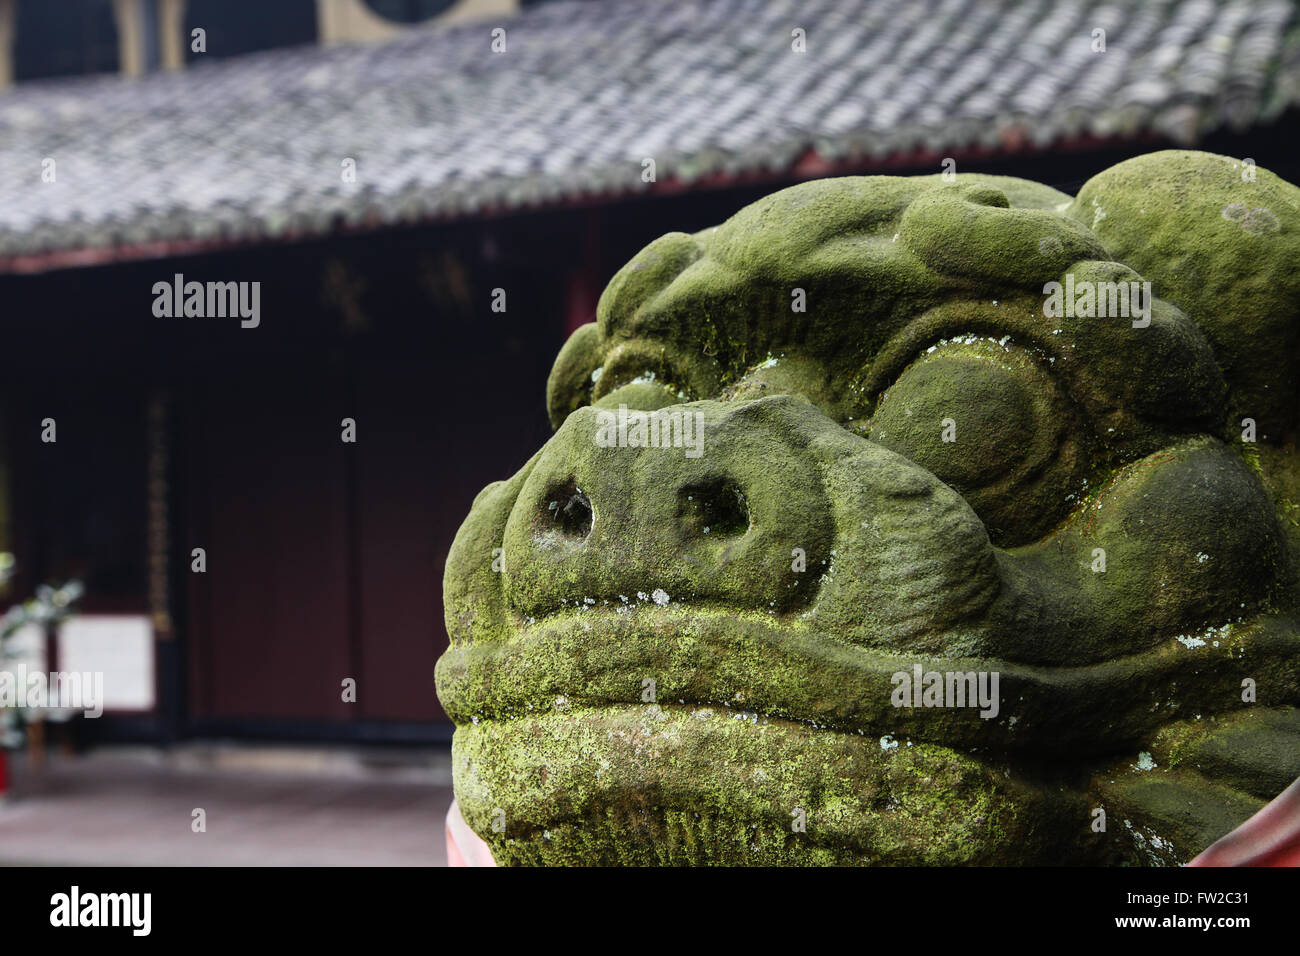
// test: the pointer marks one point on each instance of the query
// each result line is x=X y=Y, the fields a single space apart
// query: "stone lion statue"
x=903 y=520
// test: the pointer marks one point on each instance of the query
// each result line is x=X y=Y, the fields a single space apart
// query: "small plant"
x=49 y=606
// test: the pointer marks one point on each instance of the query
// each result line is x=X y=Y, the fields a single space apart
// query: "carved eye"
x=990 y=421
x=650 y=366
x=612 y=380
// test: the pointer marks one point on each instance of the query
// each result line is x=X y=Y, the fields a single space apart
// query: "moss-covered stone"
x=1220 y=238
x=852 y=433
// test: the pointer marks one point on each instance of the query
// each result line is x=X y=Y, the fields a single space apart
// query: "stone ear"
x=569 y=385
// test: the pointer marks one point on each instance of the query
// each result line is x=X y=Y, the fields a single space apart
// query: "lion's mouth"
x=679 y=735
x=682 y=784
x=782 y=669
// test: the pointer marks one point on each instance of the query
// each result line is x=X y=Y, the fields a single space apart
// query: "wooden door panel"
x=276 y=642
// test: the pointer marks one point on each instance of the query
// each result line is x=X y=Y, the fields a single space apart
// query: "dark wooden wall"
x=324 y=558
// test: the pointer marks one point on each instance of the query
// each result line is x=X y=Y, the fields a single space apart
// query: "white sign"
x=119 y=646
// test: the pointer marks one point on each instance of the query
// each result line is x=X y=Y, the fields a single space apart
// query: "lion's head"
x=903 y=520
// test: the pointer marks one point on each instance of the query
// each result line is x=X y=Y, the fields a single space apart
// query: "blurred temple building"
x=388 y=171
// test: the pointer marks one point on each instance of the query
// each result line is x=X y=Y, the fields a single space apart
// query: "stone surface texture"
x=645 y=670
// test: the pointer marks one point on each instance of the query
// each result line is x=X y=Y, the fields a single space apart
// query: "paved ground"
x=264 y=807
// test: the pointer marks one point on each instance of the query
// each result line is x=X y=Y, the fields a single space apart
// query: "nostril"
x=569 y=510
x=714 y=509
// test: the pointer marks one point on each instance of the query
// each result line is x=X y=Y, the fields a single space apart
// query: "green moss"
x=908 y=458
x=1220 y=240
x=674 y=785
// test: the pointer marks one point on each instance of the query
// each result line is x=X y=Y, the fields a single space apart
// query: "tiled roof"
x=441 y=126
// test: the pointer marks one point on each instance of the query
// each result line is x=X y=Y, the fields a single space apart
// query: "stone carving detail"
x=868 y=433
